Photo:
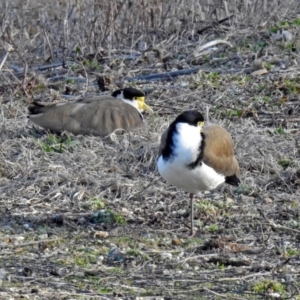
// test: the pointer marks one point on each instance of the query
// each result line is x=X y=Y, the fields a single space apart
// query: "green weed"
x=54 y=143
x=268 y=286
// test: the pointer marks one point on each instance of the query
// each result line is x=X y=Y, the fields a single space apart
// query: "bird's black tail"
x=232 y=180
x=35 y=108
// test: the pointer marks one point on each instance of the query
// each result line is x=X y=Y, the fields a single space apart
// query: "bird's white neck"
x=132 y=102
x=187 y=141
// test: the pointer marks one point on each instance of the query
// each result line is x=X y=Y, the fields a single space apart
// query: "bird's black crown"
x=191 y=117
x=128 y=93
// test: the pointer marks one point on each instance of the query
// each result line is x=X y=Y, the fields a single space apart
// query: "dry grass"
x=61 y=195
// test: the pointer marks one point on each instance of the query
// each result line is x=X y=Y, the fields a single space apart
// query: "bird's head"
x=133 y=97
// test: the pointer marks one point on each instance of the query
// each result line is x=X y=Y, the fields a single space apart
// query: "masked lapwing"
x=195 y=157
x=99 y=116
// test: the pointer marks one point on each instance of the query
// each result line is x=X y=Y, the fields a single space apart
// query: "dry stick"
x=169 y=75
x=200 y=31
x=87 y=78
x=47 y=41
x=243 y=277
x=199 y=49
x=32 y=243
x=66 y=35
x=145 y=188
x=64 y=50
x=217 y=294
x=21 y=57
x=164 y=76
x=274 y=225
x=10 y=48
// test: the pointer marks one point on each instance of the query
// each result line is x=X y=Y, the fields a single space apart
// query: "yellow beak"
x=142 y=105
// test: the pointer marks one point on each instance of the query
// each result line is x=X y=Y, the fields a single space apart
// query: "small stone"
x=126 y=212
x=186 y=266
x=27 y=226
x=176 y=242
x=100 y=259
x=116 y=255
x=229 y=200
x=166 y=255
x=151 y=267
x=2 y=274
x=101 y=234
x=268 y=200
x=159 y=214
x=43 y=236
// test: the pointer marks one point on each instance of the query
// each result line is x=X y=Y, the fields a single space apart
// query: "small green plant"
x=105 y=291
x=81 y=261
x=284 y=24
x=291 y=252
x=193 y=240
x=96 y=203
x=74 y=67
x=119 y=219
x=213 y=75
x=233 y=113
x=273 y=29
x=135 y=253
x=280 y=130
x=262 y=87
x=39 y=87
x=213 y=228
x=290 y=46
x=92 y=64
x=268 y=65
x=297 y=22
x=259 y=45
x=221 y=266
x=108 y=216
x=285 y=162
x=78 y=50
x=268 y=286
x=54 y=143
x=207 y=207
x=71 y=81
x=116 y=270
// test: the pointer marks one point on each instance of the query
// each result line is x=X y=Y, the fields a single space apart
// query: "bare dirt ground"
x=90 y=218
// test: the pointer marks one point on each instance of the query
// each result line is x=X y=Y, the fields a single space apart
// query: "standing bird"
x=98 y=116
x=195 y=157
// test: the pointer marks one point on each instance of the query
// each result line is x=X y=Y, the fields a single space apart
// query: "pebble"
x=229 y=200
x=115 y=255
x=176 y=242
x=166 y=255
x=2 y=274
x=101 y=234
x=268 y=200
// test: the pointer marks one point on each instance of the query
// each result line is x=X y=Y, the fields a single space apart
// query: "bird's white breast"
x=175 y=170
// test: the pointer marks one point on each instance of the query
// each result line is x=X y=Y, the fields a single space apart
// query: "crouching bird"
x=98 y=116
x=195 y=157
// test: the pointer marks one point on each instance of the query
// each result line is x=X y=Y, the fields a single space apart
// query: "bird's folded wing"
x=219 y=151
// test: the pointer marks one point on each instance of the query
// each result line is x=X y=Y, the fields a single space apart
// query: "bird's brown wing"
x=94 y=117
x=219 y=151
x=107 y=116
x=52 y=117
